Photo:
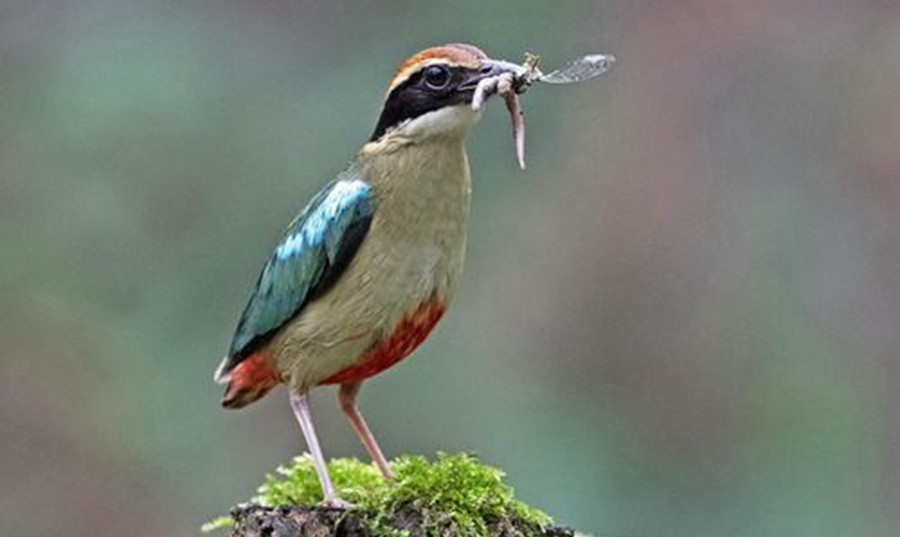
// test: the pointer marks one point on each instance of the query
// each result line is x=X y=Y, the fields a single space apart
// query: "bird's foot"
x=336 y=503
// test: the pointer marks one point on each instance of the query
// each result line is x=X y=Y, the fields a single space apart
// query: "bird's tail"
x=248 y=381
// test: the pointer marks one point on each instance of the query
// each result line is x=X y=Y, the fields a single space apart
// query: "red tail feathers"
x=250 y=380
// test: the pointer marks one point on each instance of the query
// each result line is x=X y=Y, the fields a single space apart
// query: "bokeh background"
x=682 y=319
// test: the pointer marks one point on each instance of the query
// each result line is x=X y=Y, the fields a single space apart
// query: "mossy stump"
x=306 y=521
x=453 y=496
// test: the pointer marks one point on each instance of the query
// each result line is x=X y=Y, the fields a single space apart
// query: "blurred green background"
x=682 y=319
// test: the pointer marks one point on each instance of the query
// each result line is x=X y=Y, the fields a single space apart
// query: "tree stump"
x=320 y=521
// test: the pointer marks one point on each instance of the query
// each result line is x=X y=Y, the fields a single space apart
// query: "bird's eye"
x=436 y=77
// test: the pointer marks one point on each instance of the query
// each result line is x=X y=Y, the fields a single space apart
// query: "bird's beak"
x=501 y=77
x=490 y=68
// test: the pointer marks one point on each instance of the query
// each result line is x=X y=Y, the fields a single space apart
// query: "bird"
x=367 y=269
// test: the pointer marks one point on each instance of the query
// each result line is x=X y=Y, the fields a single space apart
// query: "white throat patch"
x=450 y=120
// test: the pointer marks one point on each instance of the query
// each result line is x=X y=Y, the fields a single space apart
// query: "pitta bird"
x=362 y=275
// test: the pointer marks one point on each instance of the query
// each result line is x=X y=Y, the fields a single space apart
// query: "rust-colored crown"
x=452 y=54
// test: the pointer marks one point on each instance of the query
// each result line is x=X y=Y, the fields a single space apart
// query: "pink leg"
x=300 y=404
x=347 y=398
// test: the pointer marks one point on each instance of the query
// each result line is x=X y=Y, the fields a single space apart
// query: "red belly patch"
x=411 y=332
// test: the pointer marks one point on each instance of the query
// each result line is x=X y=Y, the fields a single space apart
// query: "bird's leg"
x=347 y=398
x=300 y=404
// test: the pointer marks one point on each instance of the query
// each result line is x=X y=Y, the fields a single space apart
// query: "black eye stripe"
x=455 y=73
x=414 y=97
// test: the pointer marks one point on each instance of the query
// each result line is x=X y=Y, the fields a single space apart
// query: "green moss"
x=453 y=495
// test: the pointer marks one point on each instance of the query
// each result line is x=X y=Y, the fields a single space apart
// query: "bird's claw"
x=337 y=503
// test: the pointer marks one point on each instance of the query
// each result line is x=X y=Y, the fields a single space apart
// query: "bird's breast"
x=401 y=279
x=403 y=339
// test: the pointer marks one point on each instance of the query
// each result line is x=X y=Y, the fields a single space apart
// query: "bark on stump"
x=305 y=521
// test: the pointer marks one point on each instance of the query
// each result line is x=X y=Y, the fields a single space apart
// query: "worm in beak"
x=502 y=78
x=509 y=80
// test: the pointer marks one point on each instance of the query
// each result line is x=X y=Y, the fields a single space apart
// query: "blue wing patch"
x=312 y=253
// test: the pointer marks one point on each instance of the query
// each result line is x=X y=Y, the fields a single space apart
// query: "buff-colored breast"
x=411 y=259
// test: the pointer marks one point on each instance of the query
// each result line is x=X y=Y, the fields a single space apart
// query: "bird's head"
x=431 y=92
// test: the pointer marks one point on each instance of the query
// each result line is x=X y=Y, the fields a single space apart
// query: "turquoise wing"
x=311 y=254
